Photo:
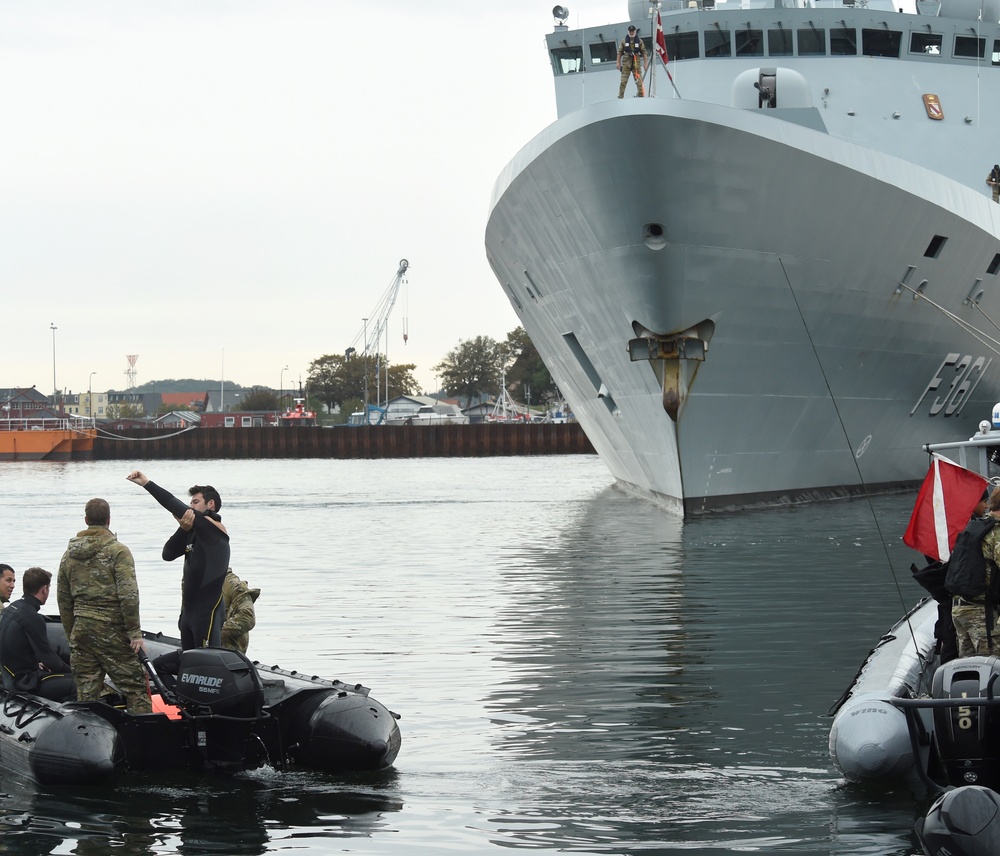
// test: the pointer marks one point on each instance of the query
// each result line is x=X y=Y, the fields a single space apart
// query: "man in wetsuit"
x=29 y=663
x=204 y=543
x=6 y=584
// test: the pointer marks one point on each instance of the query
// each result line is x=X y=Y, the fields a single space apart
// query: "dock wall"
x=366 y=441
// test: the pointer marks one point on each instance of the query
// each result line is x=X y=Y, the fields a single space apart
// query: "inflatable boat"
x=917 y=713
x=907 y=718
x=219 y=712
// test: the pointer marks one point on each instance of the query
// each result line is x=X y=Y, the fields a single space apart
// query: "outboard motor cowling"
x=962 y=822
x=221 y=692
x=217 y=680
x=968 y=736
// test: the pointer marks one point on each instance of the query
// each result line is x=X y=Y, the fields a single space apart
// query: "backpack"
x=966 y=575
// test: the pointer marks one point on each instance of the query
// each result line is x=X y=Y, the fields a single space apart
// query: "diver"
x=204 y=543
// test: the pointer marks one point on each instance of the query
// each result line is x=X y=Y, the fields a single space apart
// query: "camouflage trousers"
x=631 y=67
x=970 y=627
x=98 y=648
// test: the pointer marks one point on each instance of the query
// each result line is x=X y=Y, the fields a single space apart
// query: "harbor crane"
x=371 y=335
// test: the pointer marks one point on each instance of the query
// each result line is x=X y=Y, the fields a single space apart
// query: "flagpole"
x=660 y=44
x=654 y=6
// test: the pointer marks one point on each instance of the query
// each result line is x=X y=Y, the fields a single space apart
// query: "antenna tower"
x=130 y=372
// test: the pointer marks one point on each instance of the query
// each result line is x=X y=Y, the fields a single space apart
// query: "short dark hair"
x=97 y=512
x=4 y=568
x=33 y=579
x=208 y=492
x=631 y=28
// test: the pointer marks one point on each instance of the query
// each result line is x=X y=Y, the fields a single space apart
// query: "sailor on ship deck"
x=629 y=52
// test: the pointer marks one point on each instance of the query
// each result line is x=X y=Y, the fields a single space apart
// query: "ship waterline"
x=770 y=269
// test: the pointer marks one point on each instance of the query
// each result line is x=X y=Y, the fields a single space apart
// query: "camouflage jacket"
x=97 y=580
x=991 y=550
x=240 y=616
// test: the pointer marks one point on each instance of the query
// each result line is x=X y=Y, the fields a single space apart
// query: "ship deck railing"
x=71 y=423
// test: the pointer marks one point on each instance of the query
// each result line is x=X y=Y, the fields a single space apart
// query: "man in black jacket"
x=204 y=543
x=28 y=662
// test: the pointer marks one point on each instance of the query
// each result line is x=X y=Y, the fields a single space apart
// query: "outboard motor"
x=221 y=691
x=968 y=736
x=962 y=822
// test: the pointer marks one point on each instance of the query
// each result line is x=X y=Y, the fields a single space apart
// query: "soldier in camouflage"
x=632 y=61
x=99 y=607
x=971 y=616
x=240 y=616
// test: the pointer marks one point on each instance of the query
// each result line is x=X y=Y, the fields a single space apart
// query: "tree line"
x=472 y=368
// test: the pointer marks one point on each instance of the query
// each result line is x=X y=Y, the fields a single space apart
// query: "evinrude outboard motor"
x=962 y=822
x=968 y=736
x=221 y=691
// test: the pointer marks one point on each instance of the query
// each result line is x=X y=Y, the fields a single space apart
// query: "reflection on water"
x=575 y=669
x=243 y=815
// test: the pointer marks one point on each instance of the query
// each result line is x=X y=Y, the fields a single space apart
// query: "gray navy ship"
x=775 y=277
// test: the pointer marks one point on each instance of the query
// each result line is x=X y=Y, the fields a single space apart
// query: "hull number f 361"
x=954 y=382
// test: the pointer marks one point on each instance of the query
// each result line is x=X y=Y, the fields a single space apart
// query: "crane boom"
x=380 y=316
x=371 y=334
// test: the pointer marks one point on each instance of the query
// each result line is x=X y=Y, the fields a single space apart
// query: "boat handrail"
x=977 y=447
x=918 y=703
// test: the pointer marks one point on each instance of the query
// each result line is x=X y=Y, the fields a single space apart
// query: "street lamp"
x=90 y=395
x=281 y=392
x=55 y=389
x=365 y=320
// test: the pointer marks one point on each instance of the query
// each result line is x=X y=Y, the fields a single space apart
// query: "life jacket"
x=632 y=46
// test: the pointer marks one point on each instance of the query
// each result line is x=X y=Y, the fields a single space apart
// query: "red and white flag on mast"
x=943 y=508
x=661 y=43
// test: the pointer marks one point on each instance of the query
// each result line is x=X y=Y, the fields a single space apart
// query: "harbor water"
x=576 y=670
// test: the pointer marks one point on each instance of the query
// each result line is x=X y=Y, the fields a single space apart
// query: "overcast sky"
x=212 y=184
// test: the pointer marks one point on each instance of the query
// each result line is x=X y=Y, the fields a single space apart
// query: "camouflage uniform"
x=99 y=607
x=969 y=616
x=240 y=617
x=630 y=51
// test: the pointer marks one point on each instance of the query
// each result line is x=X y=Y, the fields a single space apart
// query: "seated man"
x=27 y=661
x=240 y=616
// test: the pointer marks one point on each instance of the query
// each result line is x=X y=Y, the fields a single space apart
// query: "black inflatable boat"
x=222 y=713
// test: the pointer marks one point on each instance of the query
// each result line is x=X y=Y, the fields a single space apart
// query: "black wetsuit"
x=205 y=548
x=24 y=643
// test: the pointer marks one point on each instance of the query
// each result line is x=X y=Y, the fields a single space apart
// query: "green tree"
x=527 y=370
x=335 y=378
x=401 y=380
x=259 y=398
x=328 y=379
x=124 y=410
x=473 y=367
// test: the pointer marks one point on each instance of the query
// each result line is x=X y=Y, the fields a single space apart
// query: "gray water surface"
x=576 y=670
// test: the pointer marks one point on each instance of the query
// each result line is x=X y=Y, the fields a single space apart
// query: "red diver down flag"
x=661 y=43
x=943 y=508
